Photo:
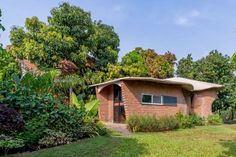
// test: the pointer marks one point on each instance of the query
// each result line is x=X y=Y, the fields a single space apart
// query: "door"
x=118 y=106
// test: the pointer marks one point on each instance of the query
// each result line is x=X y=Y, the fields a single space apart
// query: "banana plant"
x=91 y=107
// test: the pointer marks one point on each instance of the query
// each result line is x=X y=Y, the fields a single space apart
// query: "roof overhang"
x=187 y=84
x=100 y=86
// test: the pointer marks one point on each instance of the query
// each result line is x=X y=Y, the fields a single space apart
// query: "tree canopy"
x=139 y=63
x=70 y=34
x=148 y=63
x=1 y=26
x=214 y=68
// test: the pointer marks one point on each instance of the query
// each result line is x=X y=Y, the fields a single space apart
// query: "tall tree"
x=141 y=62
x=186 y=67
x=133 y=64
x=214 y=68
x=70 y=34
x=1 y=26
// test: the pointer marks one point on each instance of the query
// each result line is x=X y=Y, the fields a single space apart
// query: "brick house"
x=123 y=97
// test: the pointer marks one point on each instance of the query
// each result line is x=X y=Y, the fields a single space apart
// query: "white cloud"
x=182 y=21
x=187 y=19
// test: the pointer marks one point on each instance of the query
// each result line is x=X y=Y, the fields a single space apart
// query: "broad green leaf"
x=92 y=107
x=74 y=101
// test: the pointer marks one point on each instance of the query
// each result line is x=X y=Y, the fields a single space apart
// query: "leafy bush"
x=197 y=120
x=151 y=123
x=214 y=119
x=68 y=120
x=8 y=66
x=34 y=129
x=188 y=121
x=100 y=129
x=7 y=143
x=93 y=127
x=54 y=138
x=10 y=120
x=168 y=123
x=29 y=103
x=42 y=110
x=91 y=107
x=228 y=115
x=134 y=123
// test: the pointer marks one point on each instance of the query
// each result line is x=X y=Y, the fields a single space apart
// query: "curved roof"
x=197 y=85
x=188 y=84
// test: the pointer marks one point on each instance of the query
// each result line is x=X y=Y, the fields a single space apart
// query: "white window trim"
x=151 y=99
x=146 y=94
x=162 y=100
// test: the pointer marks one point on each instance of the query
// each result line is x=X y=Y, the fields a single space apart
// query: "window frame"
x=149 y=95
x=169 y=104
x=157 y=104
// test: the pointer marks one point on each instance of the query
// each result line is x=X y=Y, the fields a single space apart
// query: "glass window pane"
x=169 y=100
x=147 y=98
x=117 y=93
x=156 y=99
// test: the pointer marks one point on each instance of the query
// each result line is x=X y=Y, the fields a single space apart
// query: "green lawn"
x=207 y=141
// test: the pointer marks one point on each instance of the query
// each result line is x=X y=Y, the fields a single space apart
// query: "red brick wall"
x=132 y=90
x=105 y=96
x=202 y=102
x=131 y=94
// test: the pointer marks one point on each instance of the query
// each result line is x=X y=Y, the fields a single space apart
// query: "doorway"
x=118 y=105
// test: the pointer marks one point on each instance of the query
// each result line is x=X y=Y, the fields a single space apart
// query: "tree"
x=70 y=34
x=214 y=68
x=159 y=66
x=1 y=26
x=133 y=64
x=186 y=67
x=8 y=67
x=148 y=63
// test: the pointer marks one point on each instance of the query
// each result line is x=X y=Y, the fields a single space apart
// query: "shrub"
x=168 y=123
x=29 y=103
x=10 y=120
x=134 y=123
x=34 y=129
x=197 y=120
x=151 y=123
x=228 y=114
x=68 y=120
x=46 y=110
x=214 y=119
x=100 y=129
x=54 y=138
x=188 y=121
x=7 y=143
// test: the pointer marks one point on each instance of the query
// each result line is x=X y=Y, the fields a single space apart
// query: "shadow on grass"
x=230 y=122
x=130 y=147
x=93 y=147
x=230 y=145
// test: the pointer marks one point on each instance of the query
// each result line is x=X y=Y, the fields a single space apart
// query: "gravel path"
x=121 y=128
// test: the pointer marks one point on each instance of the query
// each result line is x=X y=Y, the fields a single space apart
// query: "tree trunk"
x=5 y=152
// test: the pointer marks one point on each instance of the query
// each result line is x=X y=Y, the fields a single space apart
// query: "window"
x=117 y=93
x=158 y=99
x=169 y=100
x=146 y=98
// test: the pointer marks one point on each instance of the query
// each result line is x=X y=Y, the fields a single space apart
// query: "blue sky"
x=179 y=26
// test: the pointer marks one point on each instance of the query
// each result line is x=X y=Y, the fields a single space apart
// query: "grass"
x=207 y=141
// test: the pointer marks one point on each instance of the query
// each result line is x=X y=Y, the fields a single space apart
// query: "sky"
x=179 y=26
